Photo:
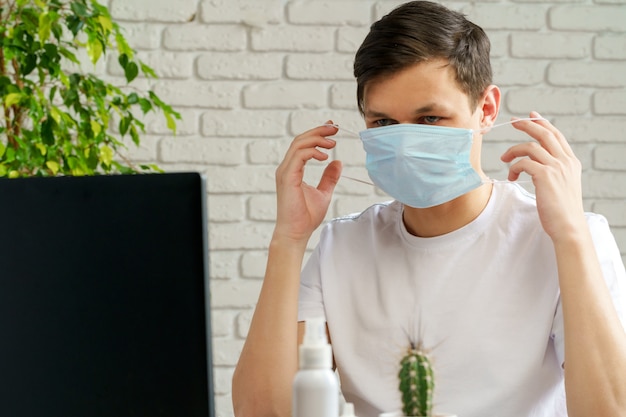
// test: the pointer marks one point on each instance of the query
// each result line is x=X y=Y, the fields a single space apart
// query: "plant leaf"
x=53 y=166
x=131 y=71
x=106 y=155
x=106 y=23
x=12 y=99
x=42 y=148
x=94 y=49
x=45 y=26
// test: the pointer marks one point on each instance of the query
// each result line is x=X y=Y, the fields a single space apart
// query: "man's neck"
x=447 y=217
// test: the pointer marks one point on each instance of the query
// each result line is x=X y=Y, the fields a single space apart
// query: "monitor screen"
x=104 y=301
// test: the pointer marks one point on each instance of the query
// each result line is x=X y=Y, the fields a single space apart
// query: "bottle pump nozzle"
x=315 y=352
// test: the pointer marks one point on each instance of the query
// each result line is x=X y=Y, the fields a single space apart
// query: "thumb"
x=330 y=177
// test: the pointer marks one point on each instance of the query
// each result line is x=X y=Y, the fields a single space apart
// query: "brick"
x=203 y=94
x=262 y=208
x=195 y=37
x=335 y=12
x=239 y=66
x=253 y=262
x=349 y=39
x=610 y=102
x=224 y=406
x=614 y=211
x=285 y=95
x=156 y=124
x=588 y=74
x=223 y=265
x=222 y=376
x=226 y=208
x=605 y=185
x=610 y=46
x=350 y=151
x=548 y=101
x=143 y=35
x=347 y=186
x=303 y=120
x=491 y=153
x=610 y=157
x=235 y=294
x=264 y=152
x=165 y=64
x=242 y=179
x=226 y=352
x=499 y=43
x=154 y=10
x=343 y=96
x=222 y=323
x=599 y=129
x=146 y=152
x=319 y=67
x=506 y=16
x=250 y=12
x=550 y=45
x=244 y=123
x=518 y=72
x=204 y=150
x=243 y=323
x=552 y=1
x=99 y=69
x=292 y=39
x=588 y=18
x=381 y=8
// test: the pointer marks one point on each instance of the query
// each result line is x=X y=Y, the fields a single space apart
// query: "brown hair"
x=420 y=30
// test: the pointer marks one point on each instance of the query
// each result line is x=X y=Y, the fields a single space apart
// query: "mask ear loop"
x=510 y=122
x=355 y=134
x=487 y=129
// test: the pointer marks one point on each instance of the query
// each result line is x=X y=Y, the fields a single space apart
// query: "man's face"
x=426 y=93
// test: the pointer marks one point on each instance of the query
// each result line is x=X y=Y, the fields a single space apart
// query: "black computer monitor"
x=104 y=300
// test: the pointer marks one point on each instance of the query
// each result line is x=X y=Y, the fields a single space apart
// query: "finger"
x=532 y=150
x=524 y=165
x=316 y=137
x=291 y=169
x=330 y=177
x=546 y=134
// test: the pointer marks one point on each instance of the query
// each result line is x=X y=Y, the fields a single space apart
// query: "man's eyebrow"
x=430 y=107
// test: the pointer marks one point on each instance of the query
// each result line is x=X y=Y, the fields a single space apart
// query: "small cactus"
x=416 y=383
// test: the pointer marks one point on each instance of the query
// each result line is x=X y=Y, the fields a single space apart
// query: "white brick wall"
x=247 y=75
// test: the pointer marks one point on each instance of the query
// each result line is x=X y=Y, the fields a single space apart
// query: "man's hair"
x=416 y=32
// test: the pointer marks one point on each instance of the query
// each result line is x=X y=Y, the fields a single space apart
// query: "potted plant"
x=55 y=118
x=417 y=384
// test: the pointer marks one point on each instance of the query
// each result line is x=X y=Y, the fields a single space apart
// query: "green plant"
x=56 y=121
x=417 y=382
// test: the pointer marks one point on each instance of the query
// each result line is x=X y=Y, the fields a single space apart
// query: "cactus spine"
x=416 y=383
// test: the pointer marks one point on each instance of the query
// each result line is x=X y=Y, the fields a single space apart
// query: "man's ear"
x=490 y=105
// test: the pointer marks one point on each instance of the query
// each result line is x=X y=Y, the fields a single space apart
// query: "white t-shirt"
x=484 y=300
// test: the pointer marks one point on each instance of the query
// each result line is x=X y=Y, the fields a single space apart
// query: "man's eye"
x=431 y=119
x=383 y=122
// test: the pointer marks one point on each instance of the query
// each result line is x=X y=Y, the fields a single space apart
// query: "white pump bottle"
x=315 y=387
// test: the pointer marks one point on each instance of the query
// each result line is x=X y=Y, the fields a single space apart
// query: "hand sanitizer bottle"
x=315 y=387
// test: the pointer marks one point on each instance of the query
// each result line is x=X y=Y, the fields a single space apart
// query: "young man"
x=517 y=298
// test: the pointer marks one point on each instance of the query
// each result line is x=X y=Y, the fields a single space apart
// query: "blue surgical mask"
x=422 y=165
